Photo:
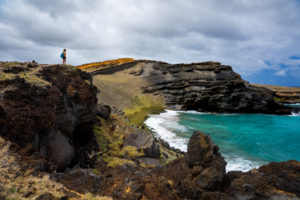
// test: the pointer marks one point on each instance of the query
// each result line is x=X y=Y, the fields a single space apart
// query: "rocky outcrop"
x=271 y=181
x=202 y=169
x=50 y=110
x=200 y=174
x=290 y=95
x=207 y=86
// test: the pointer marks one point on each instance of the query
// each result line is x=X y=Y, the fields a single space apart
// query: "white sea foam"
x=162 y=125
x=240 y=164
x=295 y=114
x=165 y=126
x=194 y=112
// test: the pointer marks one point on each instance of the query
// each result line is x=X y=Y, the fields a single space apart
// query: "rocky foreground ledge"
x=57 y=142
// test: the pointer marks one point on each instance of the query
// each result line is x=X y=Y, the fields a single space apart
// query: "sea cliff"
x=206 y=86
x=68 y=134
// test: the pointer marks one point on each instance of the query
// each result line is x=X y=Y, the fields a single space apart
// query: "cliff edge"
x=205 y=87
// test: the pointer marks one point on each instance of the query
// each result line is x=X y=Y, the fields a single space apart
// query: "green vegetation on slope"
x=141 y=107
x=110 y=136
x=124 y=91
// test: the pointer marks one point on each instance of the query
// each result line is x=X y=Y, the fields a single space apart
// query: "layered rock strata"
x=207 y=86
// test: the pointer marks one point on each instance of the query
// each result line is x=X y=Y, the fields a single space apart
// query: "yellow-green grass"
x=90 y=196
x=141 y=107
x=31 y=76
x=110 y=141
x=276 y=88
x=172 y=155
x=124 y=91
x=15 y=181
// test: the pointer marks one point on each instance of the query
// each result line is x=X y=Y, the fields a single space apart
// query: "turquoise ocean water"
x=246 y=140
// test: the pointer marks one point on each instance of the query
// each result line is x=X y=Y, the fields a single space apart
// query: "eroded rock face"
x=202 y=168
x=55 y=118
x=271 y=181
x=207 y=86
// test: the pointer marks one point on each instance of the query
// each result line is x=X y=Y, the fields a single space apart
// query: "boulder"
x=143 y=140
x=202 y=168
x=103 y=111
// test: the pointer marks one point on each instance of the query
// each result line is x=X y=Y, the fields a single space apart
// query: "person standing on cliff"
x=63 y=55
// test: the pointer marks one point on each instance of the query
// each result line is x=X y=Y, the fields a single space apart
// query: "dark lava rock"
x=286 y=175
x=202 y=169
x=80 y=180
x=55 y=119
x=103 y=111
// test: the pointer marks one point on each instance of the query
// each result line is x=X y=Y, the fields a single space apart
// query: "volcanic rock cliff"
x=49 y=109
x=207 y=86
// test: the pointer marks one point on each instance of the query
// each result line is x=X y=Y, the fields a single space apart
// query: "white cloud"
x=281 y=72
x=243 y=34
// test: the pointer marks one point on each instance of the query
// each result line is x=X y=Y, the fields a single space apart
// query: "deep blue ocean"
x=246 y=140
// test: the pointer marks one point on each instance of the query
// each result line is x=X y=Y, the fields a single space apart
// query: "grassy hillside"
x=123 y=91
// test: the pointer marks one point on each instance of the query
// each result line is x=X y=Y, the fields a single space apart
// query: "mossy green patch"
x=6 y=76
x=33 y=79
x=90 y=196
x=171 y=155
x=31 y=76
x=144 y=165
x=110 y=138
x=278 y=99
x=131 y=152
x=142 y=106
x=115 y=161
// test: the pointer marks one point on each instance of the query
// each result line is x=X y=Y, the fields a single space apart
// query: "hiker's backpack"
x=62 y=55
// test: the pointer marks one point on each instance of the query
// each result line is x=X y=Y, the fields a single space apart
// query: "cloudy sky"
x=260 y=39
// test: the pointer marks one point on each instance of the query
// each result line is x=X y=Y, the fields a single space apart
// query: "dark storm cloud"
x=244 y=33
